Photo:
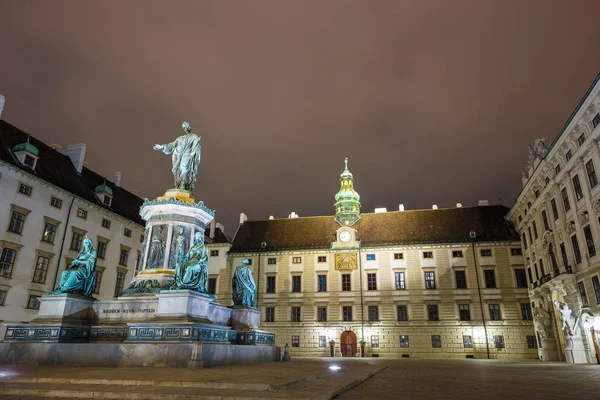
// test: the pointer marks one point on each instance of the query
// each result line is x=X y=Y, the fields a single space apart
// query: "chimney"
x=117 y=179
x=434 y=207
x=76 y=153
x=381 y=210
x=293 y=215
x=221 y=227
x=213 y=225
x=458 y=205
x=483 y=203
x=243 y=218
x=1 y=105
x=271 y=217
x=401 y=207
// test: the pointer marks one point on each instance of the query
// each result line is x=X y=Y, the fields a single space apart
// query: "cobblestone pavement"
x=417 y=379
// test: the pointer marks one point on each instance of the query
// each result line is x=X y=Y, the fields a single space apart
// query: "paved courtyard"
x=412 y=379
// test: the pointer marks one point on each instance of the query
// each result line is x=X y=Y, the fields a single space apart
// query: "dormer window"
x=26 y=153
x=104 y=193
x=106 y=199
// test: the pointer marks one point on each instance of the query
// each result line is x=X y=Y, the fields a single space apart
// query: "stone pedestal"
x=549 y=350
x=575 y=351
x=245 y=318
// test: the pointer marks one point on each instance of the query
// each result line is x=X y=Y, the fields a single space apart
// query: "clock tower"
x=347 y=201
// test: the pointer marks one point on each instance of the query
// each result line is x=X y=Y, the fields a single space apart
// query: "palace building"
x=421 y=283
x=557 y=215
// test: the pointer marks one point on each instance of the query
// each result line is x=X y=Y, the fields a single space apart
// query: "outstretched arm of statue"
x=165 y=148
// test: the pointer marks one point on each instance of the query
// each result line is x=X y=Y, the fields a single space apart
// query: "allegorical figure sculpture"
x=192 y=272
x=79 y=277
x=157 y=248
x=570 y=324
x=244 y=288
x=180 y=244
x=186 y=151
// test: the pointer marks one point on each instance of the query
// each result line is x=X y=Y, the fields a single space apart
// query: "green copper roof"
x=347 y=200
x=104 y=189
x=28 y=147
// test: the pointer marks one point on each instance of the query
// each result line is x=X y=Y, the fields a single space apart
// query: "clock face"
x=345 y=236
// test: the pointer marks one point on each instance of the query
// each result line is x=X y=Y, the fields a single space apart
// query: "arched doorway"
x=348 y=344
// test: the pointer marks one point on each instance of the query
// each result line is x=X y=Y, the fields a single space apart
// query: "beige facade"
x=557 y=215
x=382 y=336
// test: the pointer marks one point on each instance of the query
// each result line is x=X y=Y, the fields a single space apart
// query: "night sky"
x=434 y=102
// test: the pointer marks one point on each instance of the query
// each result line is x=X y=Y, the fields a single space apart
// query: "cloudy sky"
x=433 y=101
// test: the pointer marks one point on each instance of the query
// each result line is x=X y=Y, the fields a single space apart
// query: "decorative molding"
x=173 y=201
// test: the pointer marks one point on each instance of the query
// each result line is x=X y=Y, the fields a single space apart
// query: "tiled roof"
x=219 y=237
x=439 y=226
x=57 y=169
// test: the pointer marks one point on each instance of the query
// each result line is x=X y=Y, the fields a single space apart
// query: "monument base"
x=549 y=350
x=575 y=351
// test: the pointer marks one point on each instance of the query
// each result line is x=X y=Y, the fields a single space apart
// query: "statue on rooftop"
x=80 y=276
x=186 y=151
x=243 y=286
x=192 y=271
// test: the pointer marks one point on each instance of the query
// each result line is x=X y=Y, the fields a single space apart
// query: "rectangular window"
x=123 y=256
x=76 y=241
x=101 y=252
x=526 y=312
x=322 y=259
x=400 y=284
x=295 y=341
x=41 y=269
x=461 y=279
x=214 y=253
x=581 y=139
x=372 y=281
x=373 y=313
x=537 y=193
x=563 y=252
x=322 y=283
x=557 y=169
x=516 y=252
x=532 y=342
x=535 y=231
x=436 y=341
x=596 y=120
x=24 y=189
x=569 y=155
x=127 y=232
x=524 y=241
x=49 y=233
x=54 y=202
x=296 y=260
x=16 y=222
x=296 y=284
x=81 y=213
x=432 y=312
x=249 y=261
x=589 y=241
x=576 y=251
x=547 y=180
x=467 y=342
x=428 y=254
x=464 y=312
x=596 y=285
x=2 y=297
x=488 y=252
x=295 y=314
x=499 y=341
x=402 y=312
x=269 y=314
x=271 y=261
x=270 y=284
x=577 y=188
x=554 y=209
x=398 y=256
x=404 y=341
x=346 y=283
x=529 y=273
x=582 y=294
x=490 y=278
x=347 y=313
x=120 y=284
x=375 y=341
x=495 y=314
x=565 y=199
x=371 y=257
x=322 y=341
x=520 y=278
x=212 y=286
x=430 y=280
x=545 y=220
x=7 y=262
x=322 y=314
x=457 y=254
x=34 y=302
x=98 y=275
x=591 y=173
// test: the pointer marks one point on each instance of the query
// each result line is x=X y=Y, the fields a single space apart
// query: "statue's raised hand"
x=158 y=147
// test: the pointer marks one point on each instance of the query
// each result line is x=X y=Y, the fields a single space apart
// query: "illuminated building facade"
x=422 y=283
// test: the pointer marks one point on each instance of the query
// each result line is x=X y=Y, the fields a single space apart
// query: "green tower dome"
x=347 y=200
